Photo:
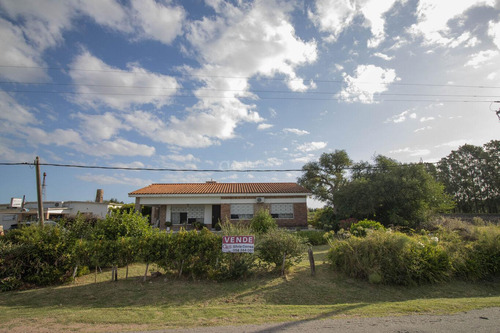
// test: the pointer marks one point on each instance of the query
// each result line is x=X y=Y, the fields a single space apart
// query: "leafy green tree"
x=326 y=176
x=471 y=175
x=392 y=194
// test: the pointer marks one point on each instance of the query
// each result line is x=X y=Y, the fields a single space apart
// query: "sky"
x=236 y=85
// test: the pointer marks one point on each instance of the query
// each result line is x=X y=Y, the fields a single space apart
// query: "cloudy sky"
x=237 y=85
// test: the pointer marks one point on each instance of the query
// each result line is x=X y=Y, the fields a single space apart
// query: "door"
x=215 y=215
x=184 y=218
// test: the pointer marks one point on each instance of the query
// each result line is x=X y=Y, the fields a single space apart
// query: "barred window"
x=282 y=211
x=241 y=211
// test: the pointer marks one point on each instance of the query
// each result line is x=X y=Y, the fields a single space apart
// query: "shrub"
x=361 y=228
x=324 y=218
x=313 y=237
x=273 y=246
x=391 y=258
x=122 y=224
x=35 y=255
x=262 y=222
x=235 y=265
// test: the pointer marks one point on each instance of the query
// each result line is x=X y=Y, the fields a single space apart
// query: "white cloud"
x=135 y=164
x=494 y=32
x=424 y=119
x=422 y=129
x=411 y=152
x=100 y=127
x=264 y=126
x=117 y=147
x=17 y=52
x=183 y=158
x=334 y=16
x=13 y=114
x=433 y=17
x=303 y=159
x=311 y=146
x=114 y=179
x=158 y=21
x=383 y=56
x=479 y=59
x=367 y=81
x=453 y=144
x=295 y=131
x=399 y=118
x=243 y=165
x=102 y=84
x=8 y=154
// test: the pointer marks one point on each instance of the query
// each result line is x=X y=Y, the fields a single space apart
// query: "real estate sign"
x=238 y=244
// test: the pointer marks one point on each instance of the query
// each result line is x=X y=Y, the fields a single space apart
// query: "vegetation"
x=450 y=251
x=471 y=174
x=262 y=222
x=387 y=191
x=172 y=303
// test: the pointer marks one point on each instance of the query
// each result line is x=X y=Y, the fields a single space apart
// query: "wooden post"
x=39 y=191
x=284 y=262
x=311 y=262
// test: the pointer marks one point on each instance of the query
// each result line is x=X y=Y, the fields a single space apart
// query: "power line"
x=247 y=77
x=368 y=167
x=260 y=97
x=210 y=89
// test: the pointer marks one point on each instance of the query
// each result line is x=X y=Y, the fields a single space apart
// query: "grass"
x=171 y=303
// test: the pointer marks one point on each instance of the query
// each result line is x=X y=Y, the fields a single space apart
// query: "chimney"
x=211 y=181
x=99 y=196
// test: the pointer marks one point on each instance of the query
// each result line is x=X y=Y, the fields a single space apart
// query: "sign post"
x=238 y=244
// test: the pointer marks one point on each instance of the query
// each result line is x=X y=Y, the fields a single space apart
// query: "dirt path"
x=475 y=321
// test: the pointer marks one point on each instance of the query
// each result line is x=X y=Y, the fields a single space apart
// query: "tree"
x=471 y=175
x=326 y=176
x=392 y=194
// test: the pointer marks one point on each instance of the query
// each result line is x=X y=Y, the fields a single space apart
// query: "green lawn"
x=168 y=303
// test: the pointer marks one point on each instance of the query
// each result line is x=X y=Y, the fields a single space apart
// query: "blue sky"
x=231 y=85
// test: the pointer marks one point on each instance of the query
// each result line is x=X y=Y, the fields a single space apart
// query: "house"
x=211 y=202
x=11 y=215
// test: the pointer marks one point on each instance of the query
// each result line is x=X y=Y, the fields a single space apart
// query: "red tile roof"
x=220 y=188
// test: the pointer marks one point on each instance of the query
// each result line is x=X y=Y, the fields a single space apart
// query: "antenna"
x=44 y=188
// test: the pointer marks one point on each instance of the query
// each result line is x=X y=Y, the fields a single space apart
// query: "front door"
x=215 y=215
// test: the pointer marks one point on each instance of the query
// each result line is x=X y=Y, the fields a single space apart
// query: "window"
x=241 y=211
x=282 y=211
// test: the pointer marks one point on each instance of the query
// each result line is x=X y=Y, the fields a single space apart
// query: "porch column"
x=137 y=204
x=163 y=216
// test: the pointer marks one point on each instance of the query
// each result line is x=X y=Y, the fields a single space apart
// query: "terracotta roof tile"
x=220 y=188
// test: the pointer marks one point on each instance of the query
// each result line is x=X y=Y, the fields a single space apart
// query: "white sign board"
x=16 y=202
x=238 y=244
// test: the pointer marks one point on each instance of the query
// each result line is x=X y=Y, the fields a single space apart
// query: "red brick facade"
x=299 y=214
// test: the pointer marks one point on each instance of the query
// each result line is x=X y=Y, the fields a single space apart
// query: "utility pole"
x=39 y=191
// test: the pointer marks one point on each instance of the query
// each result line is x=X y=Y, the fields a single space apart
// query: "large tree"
x=392 y=193
x=471 y=174
x=324 y=177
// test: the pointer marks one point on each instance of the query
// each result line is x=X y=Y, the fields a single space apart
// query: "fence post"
x=311 y=261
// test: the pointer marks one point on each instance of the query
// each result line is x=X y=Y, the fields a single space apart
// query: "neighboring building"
x=53 y=210
x=212 y=202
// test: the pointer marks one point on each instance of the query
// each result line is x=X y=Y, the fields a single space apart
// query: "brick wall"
x=299 y=214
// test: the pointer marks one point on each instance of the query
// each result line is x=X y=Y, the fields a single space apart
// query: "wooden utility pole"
x=39 y=191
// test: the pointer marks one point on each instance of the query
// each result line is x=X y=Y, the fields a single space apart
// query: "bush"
x=262 y=222
x=273 y=245
x=122 y=224
x=324 y=218
x=391 y=258
x=234 y=266
x=361 y=228
x=313 y=237
x=35 y=255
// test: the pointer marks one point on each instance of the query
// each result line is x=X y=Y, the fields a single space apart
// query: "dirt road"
x=475 y=321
